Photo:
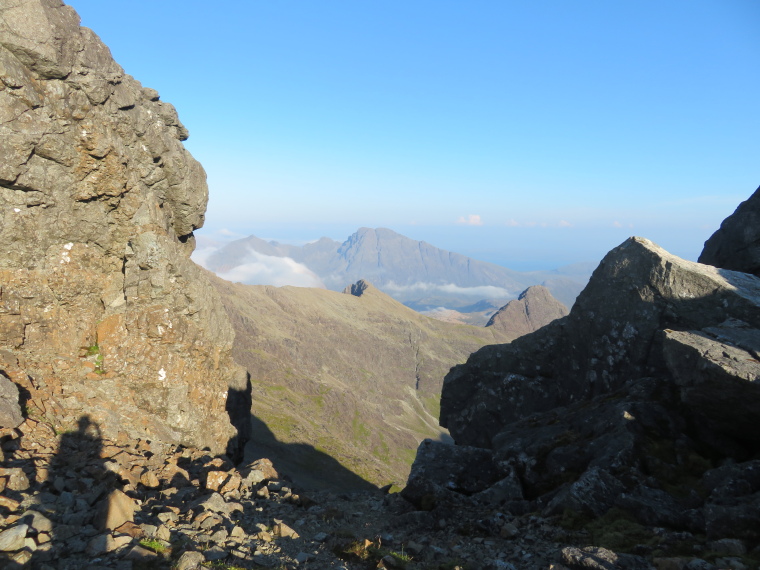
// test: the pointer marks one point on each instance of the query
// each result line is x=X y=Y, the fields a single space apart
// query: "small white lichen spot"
x=17 y=210
x=65 y=254
x=160 y=330
x=161 y=375
x=223 y=395
x=628 y=416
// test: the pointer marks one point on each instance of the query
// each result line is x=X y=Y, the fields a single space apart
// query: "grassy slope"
x=354 y=378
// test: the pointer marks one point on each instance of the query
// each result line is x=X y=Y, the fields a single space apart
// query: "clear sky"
x=529 y=134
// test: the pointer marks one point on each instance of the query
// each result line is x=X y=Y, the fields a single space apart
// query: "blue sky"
x=530 y=134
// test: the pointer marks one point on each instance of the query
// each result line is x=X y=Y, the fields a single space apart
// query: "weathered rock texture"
x=629 y=402
x=533 y=309
x=736 y=245
x=101 y=310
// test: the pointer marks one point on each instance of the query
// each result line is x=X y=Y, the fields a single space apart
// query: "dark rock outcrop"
x=101 y=310
x=533 y=309
x=736 y=245
x=627 y=403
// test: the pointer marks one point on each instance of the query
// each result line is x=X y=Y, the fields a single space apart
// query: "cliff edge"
x=102 y=313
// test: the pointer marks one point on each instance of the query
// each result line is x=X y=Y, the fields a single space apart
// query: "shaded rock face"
x=629 y=402
x=533 y=309
x=101 y=310
x=736 y=245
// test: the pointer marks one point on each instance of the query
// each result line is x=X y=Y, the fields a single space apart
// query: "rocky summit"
x=623 y=435
x=639 y=409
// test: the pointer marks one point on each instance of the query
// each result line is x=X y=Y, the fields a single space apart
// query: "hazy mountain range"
x=415 y=273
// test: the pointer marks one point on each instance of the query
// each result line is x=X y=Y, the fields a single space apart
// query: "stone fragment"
x=116 y=509
x=258 y=471
x=215 y=553
x=149 y=479
x=9 y=504
x=13 y=538
x=100 y=544
x=214 y=479
x=15 y=478
x=38 y=521
x=163 y=533
x=131 y=529
x=10 y=411
x=141 y=554
x=282 y=530
x=190 y=560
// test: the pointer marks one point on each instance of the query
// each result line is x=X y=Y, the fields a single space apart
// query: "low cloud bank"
x=481 y=291
x=260 y=269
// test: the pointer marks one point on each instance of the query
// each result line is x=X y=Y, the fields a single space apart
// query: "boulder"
x=612 y=335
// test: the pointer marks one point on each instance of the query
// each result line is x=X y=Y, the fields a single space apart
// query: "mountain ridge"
x=406 y=269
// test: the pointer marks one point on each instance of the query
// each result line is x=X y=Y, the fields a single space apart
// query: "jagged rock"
x=533 y=309
x=103 y=312
x=10 y=411
x=610 y=337
x=736 y=245
x=662 y=354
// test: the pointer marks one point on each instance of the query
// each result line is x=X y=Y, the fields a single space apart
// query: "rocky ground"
x=78 y=500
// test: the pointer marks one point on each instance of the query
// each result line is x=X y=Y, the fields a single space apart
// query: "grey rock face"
x=736 y=245
x=99 y=200
x=648 y=382
x=533 y=309
x=613 y=334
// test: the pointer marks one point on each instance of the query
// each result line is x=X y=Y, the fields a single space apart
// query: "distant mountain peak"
x=533 y=309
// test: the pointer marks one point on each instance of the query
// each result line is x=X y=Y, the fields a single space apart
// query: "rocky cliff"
x=641 y=405
x=101 y=310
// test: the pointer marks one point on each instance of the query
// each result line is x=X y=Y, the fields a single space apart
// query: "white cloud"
x=617 y=224
x=229 y=233
x=513 y=223
x=482 y=291
x=203 y=251
x=471 y=220
x=260 y=269
x=565 y=224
